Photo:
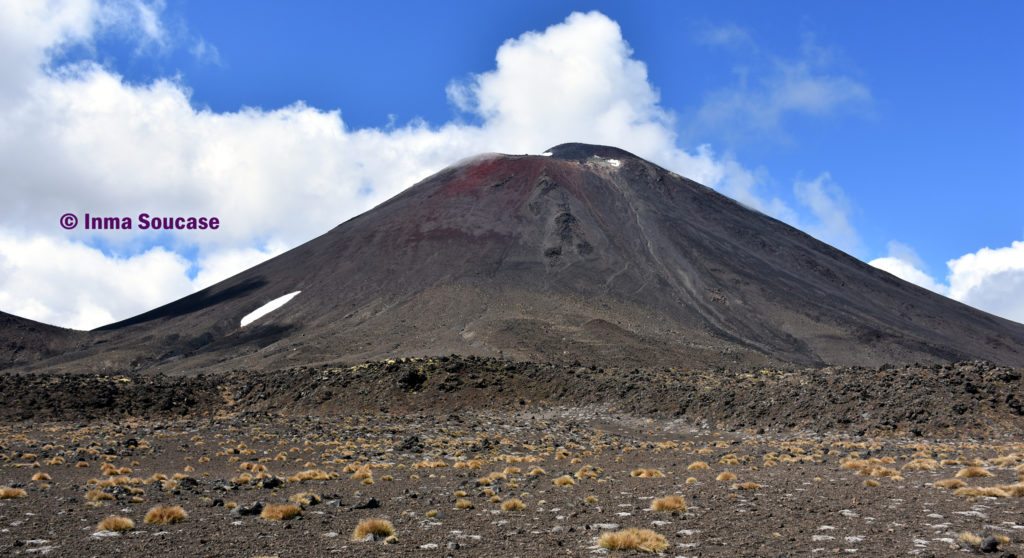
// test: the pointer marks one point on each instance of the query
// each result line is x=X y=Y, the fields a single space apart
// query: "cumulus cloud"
x=79 y=138
x=991 y=279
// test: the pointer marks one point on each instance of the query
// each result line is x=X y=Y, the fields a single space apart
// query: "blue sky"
x=894 y=130
x=932 y=161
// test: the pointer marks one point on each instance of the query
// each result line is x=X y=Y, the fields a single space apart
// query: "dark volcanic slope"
x=590 y=253
x=25 y=341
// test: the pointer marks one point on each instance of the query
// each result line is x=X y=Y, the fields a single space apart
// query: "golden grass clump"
x=7 y=493
x=644 y=540
x=280 y=512
x=536 y=472
x=165 y=515
x=513 y=504
x=872 y=483
x=587 y=472
x=950 y=484
x=746 y=486
x=726 y=476
x=646 y=473
x=979 y=492
x=970 y=539
x=463 y=504
x=564 y=480
x=373 y=529
x=116 y=524
x=973 y=472
x=41 y=477
x=97 y=495
x=310 y=474
x=672 y=503
x=921 y=465
x=305 y=498
x=698 y=466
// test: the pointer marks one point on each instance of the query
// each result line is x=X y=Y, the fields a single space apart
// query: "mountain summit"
x=584 y=253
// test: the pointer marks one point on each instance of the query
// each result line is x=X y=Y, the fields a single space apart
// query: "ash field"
x=576 y=354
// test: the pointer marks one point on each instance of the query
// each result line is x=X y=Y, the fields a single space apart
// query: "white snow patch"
x=546 y=154
x=267 y=308
x=614 y=162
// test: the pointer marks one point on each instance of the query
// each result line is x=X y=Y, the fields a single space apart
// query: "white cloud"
x=991 y=279
x=729 y=34
x=771 y=89
x=81 y=139
x=828 y=204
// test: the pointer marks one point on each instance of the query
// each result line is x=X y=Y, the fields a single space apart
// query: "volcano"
x=586 y=253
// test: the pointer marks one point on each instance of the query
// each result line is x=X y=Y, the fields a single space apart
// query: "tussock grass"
x=280 y=512
x=373 y=529
x=646 y=473
x=310 y=475
x=564 y=480
x=97 y=495
x=165 y=515
x=746 y=486
x=973 y=472
x=726 y=476
x=673 y=503
x=644 y=540
x=305 y=498
x=979 y=492
x=41 y=477
x=950 y=484
x=7 y=493
x=513 y=504
x=698 y=466
x=463 y=504
x=535 y=472
x=922 y=465
x=116 y=524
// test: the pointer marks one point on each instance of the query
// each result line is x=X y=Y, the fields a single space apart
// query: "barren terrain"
x=476 y=457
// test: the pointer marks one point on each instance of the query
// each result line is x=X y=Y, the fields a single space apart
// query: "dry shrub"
x=7 y=493
x=513 y=504
x=643 y=540
x=979 y=492
x=165 y=515
x=305 y=498
x=746 y=486
x=950 y=484
x=463 y=504
x=374 y=529
x=922 y=465
x=872 y=483
x=646 y=473
x=973 y=472
x=309 y=474
x=280 y=512
x=672 y=503
x=97 y=495
x=970 y=539
x=587 y=472
x=564 y=480
x=468 y=464
x=116 y=523
x=698 y=466
x=725 y=476
x=41 y=477
x=536 y=471
x=363 y=473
